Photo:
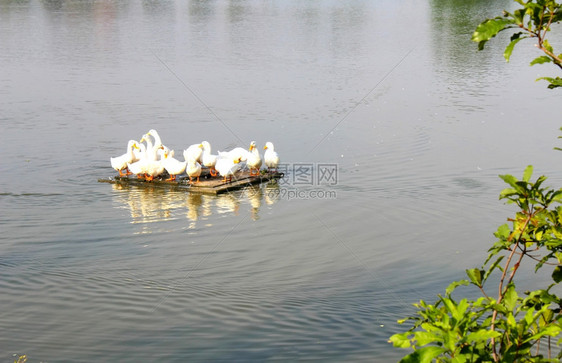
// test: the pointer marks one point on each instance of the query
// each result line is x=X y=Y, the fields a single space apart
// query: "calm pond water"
x=403 y=124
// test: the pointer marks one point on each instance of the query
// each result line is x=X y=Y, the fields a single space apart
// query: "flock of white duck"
x=154 y=159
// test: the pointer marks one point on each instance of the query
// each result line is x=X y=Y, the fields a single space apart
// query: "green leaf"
x=492 y=267
x=511 y=180
x=557 y=196
x=461 y=358
x=539 y=181
x=543 y=260
x=542 y=296
x=454 y=285
x=529 y=318
x=508 y=192
x=423 y=355
x=551 y=330
x=462 y=306
x=422 y=338
x=400 y=340
x=500 y=308
x=528 y=173
x=451 y=306
x=475 y=276
x=557 y=274
x=554 y=82
x=509 y=48
x=510 y=297
x=503 y=232
x=541 y=60
x=489 y=29
x=482 y=336
x=519 y=15
x=547 y=45
x=511 y=321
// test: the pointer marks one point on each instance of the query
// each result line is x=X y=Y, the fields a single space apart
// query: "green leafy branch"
x=507 y=327
x=533 y=20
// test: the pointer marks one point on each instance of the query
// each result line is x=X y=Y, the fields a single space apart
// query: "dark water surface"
x=392 y=93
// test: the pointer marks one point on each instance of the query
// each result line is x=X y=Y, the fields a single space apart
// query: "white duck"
x=193 y=170
x=209 y=160
x=193 y=152
x=138 y=167
x=164 y=149
x=154 y=168
x=120 y=163
x=148 y=167
x=173 y=166
x=160 y=148
x=227 y=165
x=237 y=153
x=156 y=136
x=254 y=160
x=271 y=158
x=139 y=152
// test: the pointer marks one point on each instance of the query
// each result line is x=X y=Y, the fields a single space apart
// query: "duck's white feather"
x=271 y=158
x=227 y=165
x=173 y=166
x=254 y=159
x=193 y=169
x=209 y=160
x=193 y=152
x=121 y=162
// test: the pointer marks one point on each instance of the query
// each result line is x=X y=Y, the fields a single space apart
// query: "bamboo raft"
x=207 y=184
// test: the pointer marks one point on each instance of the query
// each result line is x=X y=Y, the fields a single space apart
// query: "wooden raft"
x=207 y=184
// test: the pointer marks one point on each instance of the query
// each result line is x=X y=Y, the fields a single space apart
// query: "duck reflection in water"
x=194 y=204
x=272 y=192
x=147 y=204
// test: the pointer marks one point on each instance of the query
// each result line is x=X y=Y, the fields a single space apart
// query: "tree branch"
x=501 y=292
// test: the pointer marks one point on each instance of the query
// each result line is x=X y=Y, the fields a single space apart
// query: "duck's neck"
x=142 y=151
x=151 y=150
x=130 y=148
x=157 y=140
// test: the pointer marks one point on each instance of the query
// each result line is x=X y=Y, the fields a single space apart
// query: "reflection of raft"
x=206 y=185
